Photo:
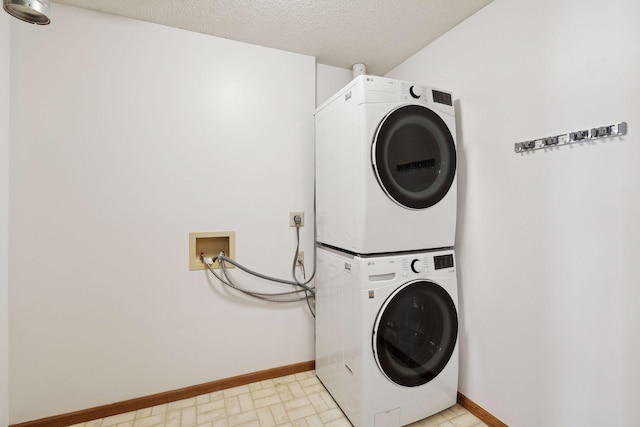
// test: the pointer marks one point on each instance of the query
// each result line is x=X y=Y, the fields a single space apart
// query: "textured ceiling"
x=378 y=33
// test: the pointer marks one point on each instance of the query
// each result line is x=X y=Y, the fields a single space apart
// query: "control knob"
x=415 y=91
x=416 y=266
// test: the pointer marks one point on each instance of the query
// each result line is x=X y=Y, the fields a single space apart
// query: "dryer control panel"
x=437 y=95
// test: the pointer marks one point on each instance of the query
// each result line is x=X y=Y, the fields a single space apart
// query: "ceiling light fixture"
x=32 y=11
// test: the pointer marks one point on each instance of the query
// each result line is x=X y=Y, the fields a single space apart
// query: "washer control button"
x=416 y=266
x=416 y=91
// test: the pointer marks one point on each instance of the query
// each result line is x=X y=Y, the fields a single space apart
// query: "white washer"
x=387 y=334
x=386 y=167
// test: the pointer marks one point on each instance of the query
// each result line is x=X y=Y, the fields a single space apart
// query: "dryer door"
x=415 y=333
x=414 y=156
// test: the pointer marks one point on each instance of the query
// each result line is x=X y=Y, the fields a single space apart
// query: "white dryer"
x=387 y=334
x=386 y=167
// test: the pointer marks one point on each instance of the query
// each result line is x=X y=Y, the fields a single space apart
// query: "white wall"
x=4 y=218
x=329 y=80
x=547 y=242
x=125 y=137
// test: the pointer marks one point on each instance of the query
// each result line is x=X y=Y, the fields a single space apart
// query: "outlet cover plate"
x=292 y=223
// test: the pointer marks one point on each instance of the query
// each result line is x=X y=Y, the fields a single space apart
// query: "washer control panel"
x=422 y=264
x=437 y=263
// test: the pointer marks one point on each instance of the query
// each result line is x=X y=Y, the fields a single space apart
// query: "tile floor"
x=298 y=400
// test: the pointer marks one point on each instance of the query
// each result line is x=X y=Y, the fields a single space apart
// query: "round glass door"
x=414 y=157
x=415 y=333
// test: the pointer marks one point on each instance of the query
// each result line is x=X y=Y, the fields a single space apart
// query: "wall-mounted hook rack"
x=572 y=137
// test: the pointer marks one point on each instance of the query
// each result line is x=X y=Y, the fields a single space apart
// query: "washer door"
x=415 y=333
x=414 y=156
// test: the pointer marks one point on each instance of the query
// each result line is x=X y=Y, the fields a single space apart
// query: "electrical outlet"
x=300 y=260
x=292 y=222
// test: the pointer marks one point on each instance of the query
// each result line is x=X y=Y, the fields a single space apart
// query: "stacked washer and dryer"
x=386 y=285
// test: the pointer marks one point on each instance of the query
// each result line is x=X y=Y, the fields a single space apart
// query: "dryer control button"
x=416 y=266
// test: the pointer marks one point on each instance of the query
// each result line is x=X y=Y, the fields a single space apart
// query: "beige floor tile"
x=118 y=419
x=152 y=421
x=465 y=420
x=210 y=406
x=264 y=392
x=319 y=404
x=314 y=421
x=236 y=391
x=181 y=404
x=232 y=405
x=328 y=399
x=296 y=403
x=279 y=413
x=267 y=401
x=188 y=417
x=299 y=423
x=266 y=417
x=160 y=409
x=301 y=412
x=284 y=380
x=296 y=390
x=216 y=395
x=211 y=416
x=284 y=392
x=434 y=420
x=313 y=388
x=246 y=402
x=331 y=415
x=459 y=409
x=216 y=405
x=143 y=413
x=309 y=381
x=339 y=423
x=255 y=386
x=174 y=419
x=267 y=383
x=242 y=419
x=298 y=400
x=202 y=399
